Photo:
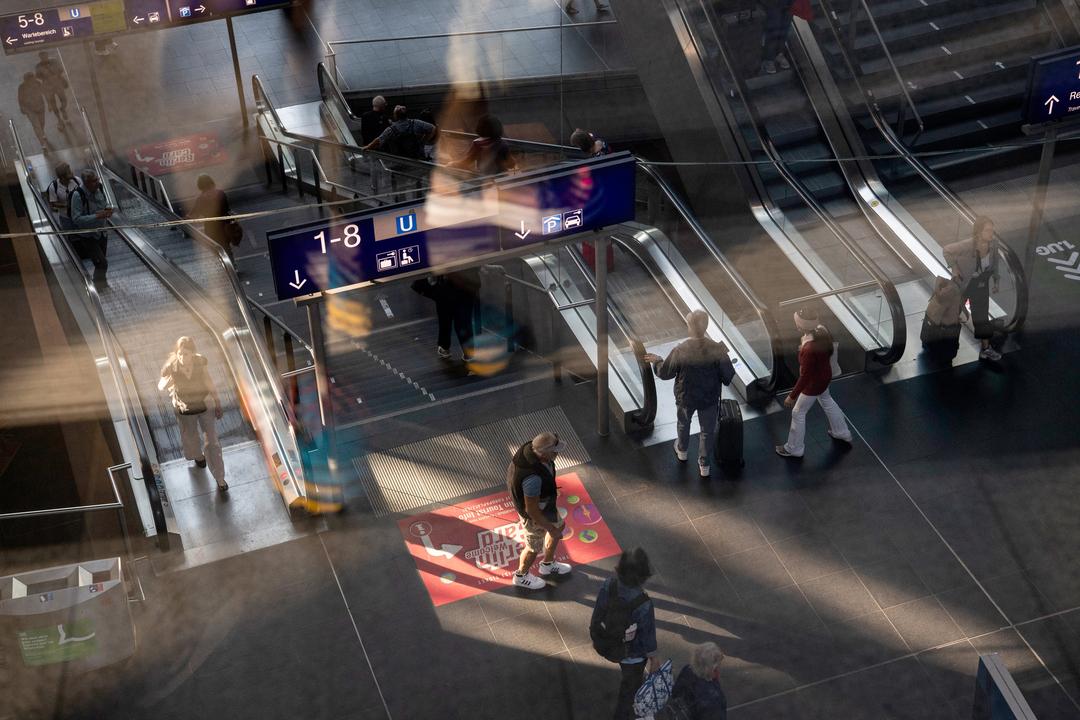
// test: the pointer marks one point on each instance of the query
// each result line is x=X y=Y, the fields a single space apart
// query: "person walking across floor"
x=974 y=268
x=530 y=478
x=88 y=209
x=697 y=694
x=32 y=105
x=815 y=373
x=623 y=608
x=775 y=35
x=54 y=82
x=701 y=367
x=186 y=378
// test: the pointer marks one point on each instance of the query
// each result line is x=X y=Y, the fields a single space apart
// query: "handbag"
x=654 y=692
x=234 y=233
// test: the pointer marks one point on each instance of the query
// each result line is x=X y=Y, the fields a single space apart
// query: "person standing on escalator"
x=212 y=202
x=974 y=268
x=188 y=382
x=775 y=35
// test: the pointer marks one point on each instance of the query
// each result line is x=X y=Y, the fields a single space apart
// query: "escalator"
x=946 y=74
x=165 y=283
x=906 y=190
x=796 y=251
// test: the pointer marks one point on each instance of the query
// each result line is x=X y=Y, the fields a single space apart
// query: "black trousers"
x=633 y=674
x=978 y=292
x=93 y=248
x=456 y=314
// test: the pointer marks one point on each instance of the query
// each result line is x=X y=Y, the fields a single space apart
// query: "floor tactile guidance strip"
x=458 y=463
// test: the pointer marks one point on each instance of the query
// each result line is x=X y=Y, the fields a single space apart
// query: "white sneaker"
x=554 y=568
x=528 y=581
x=681 y=454
x=838 y=438
x=783 y=62
x=990 y=354
x=703 y=469
x=443 y=352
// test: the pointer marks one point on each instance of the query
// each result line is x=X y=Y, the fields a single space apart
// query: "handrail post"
x=268 y=336
x=602 y=414
x=281 y=168
x=290 y=364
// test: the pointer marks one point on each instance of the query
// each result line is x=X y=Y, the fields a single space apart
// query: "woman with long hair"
x=974 y=268
x=189 y=384
x=815 y=374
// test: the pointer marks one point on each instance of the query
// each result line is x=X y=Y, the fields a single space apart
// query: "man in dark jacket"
x=701 y=367
x=640 y=655
x=697 y=689
x=372 y=125
x=530 y=478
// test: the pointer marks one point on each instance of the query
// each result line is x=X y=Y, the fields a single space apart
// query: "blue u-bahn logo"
x=406 y=223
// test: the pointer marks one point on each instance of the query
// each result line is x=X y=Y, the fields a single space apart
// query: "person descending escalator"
x=589 y=144
x=88 y=209
x=188 y=382
x=775 y=35
x=456 y=298
x=489 y=153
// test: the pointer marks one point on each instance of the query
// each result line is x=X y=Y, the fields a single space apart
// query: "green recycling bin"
x=76 y=615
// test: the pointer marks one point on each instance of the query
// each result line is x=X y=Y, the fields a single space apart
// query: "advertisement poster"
x=472 y=547
x=58 y=643
x=187 y=152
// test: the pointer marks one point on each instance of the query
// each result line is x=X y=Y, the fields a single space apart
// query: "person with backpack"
x=88 y=209
x=623 y=627
x=697 y=694
x=406 y=138
x=530 y=479
x=60 y=189
x=701 y=367
x=815 y=374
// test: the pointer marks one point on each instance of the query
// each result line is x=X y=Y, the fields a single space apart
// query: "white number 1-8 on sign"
x=351 y=237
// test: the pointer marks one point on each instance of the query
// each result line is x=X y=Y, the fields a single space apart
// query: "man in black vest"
x=530 y=478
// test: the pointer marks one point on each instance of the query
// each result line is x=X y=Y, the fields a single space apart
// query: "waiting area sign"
x=510 y=216
x=40 y=28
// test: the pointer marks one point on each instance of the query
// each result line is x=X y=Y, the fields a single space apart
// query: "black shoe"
x=223 y=486
x=200 y=463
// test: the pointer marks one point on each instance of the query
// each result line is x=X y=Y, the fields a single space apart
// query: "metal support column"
x=236 y=71
x=1046 y=163
x=602 y=414
x=322 y=384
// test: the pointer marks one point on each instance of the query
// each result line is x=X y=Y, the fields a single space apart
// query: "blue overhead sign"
x=525 y=211
x=1053 y=87
x=35 y=29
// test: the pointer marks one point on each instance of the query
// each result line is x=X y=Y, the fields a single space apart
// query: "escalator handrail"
x=895 y=350
x=762 y=310
x=1011 y=259
x=119 y=367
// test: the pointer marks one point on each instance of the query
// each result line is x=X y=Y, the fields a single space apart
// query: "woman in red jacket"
x=815 y=374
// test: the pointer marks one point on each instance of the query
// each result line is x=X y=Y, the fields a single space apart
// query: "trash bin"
x=76 y=615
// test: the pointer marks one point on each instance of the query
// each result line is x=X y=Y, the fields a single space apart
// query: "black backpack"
x=406 y=143
x=82 y=193
x=609 y=630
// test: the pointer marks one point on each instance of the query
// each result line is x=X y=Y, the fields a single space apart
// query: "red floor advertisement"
x=473 y=546
x=186 y=152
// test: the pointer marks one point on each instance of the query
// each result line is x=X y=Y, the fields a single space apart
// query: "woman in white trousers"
x=815 y=374
x=188 y=382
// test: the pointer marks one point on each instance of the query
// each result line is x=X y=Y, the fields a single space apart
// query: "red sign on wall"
x=473 y=547
x=186 y=152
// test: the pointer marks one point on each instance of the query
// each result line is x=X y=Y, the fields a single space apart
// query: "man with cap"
x=530 y=478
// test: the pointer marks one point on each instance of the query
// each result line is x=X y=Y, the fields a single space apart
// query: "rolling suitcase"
x=729 y=437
